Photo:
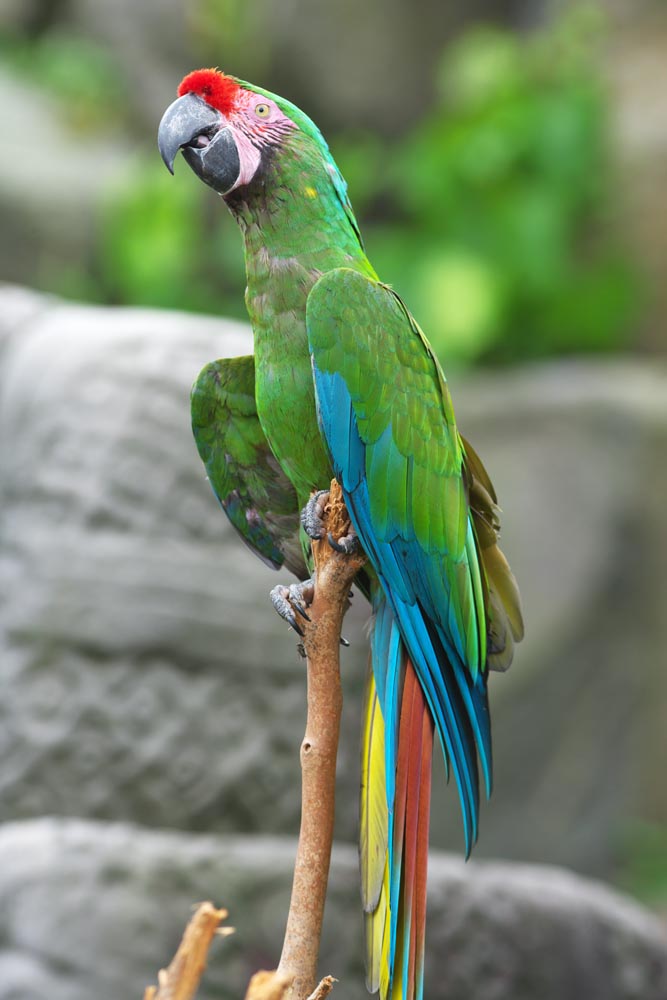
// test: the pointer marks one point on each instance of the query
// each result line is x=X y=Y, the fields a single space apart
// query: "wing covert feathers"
x=387 y=418
x=252 y=489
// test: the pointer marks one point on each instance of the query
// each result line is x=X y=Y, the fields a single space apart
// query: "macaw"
x=344 y=384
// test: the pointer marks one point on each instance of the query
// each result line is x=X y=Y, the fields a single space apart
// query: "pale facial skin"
x=223 y=148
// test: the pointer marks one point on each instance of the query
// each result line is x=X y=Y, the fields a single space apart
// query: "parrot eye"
x=262 y=110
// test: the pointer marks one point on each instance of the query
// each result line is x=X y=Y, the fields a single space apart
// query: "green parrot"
x=344 y=384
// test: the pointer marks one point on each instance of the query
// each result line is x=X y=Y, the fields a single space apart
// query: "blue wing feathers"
x=413 y=584
x=387 y=651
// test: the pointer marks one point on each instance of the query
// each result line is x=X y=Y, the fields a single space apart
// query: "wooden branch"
x=268 y=986
x=181 y=980
x=296 y=976
x=274 y=986
x=334 y=574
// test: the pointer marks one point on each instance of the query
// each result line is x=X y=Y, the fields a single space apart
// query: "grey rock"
x=145 y=677
x=94 y=910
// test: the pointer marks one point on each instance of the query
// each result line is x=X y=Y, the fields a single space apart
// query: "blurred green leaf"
x=464 y=302
x=643 y=870
x=485 y=63
x=511 y=173
x=75 y=70
x=164 y=244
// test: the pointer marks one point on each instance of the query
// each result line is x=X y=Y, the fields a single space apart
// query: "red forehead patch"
x=218 y=90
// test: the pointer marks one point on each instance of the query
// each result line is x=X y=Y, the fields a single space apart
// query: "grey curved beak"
x=188 y=117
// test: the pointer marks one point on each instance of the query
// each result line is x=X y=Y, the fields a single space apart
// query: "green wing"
x=501 y=594
x=425 y=512
x=409 y=485
x=252 y=489
x=428 y=506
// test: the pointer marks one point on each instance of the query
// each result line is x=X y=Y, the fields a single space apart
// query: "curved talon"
x=292 y=600
x=280 y=600
x=334 y=544
x=302 y=611
x=344 y=641
x=292 y=622
x=312 y=515
x=347 y=544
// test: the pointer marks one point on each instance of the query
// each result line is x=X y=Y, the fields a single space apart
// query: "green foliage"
x=74 y=70
x=499 y=235
x=171 y=244
x=644 y=869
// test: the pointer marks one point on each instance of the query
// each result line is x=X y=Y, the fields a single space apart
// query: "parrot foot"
x=296 y=598
x=292 y=601
x=312 y=515
x=347 y=544
x=312 y=519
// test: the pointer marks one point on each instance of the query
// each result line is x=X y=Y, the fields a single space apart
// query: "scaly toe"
x=280 y=600
x=293 y=600
x=312 y=515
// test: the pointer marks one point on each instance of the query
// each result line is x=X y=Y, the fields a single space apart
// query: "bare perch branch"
x=181 y=980
x=274 y=986
x=296 y=976
x=334 y=574
x=268 y=986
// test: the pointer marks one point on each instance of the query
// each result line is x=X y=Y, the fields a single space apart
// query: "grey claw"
x=334 y=544
x=290 y=600
x=347 y=544
x=302 y=611
x=313 y=513
x=280 y=600
x=343 y=641
x=292 y=622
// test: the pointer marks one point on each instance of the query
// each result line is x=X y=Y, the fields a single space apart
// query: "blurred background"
x=507 y=160
x=512 y=150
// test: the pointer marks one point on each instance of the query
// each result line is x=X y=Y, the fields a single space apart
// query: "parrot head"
x=243 y=141
x=226 y=129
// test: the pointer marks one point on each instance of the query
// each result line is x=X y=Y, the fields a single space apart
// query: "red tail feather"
x=423 y=822
x=411 y=827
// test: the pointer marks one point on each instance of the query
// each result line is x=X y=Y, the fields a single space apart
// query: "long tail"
x=397 y=751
